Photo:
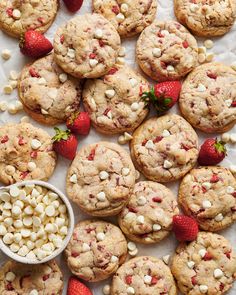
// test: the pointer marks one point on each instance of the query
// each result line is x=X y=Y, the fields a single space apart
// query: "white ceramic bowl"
x=71 y=218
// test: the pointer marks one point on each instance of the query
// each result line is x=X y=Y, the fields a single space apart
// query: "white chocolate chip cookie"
x=96 y=250
x=20 y=145
x=114 y=101
x=208 y=98
x=16 y=17
x=206 y=17
x=80 y=51
x=147 y=218
x=164 y=149
x=47 y=93
x=128 y=17
x=101 y=178
x=209 y=195
x=143 y=276
x=205 y=266
x=43 y=279
x=166 y=51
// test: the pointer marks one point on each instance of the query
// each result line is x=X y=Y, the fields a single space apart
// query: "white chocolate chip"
x=130 y=216
x=10 y=276
x=120 y=17
x=25 y=233
x=85 y=247
x=219 y=217
x=25 y=119
x=106 y=290
x=202 y=49
x=206 y=185
x=16 y=211
x=124 y=7
x=141 y=201
x=13 y=75
x=165 y=133
x=71 y=53
x=109 y=114
x=149 y=144
x=156 y=52
x=41 y=81
x=120 y=60
x=44 y=112
x=225 y=137
x=228 y=102
x=27 y=221
x=190 y=264
x=203 y=289
x=134 y=106
x=170 y=68
x=34 y=292
x=229 y=190
x=63 y=77
x=29 y=210
x=206 y=204
x=156 y=227
x=3 y=106
x=50 y=211
x=98 y=34
x=147 y=279
x=103 y=175
x=233 y=65
x=3 y=230
x=122 y=52
x=165 y=32
x=14 y=191
x=13 y=84
x=31 y=166
x=35 y=144
x=100 y=236
x=233 y=138
x=125 y=171
x=18 y=224
x=93 y=62
x=232 y=169
x=166 y=259
x=218 y=273
x=101 y=196
x=14 y=247
x=140 y=219
x=16 y=14
x=193 y=7
x=133 y=82
x=202 y=252
x=8 y=238
x=130 y=290
x=114 y=259
x=52 y=93
x=201 y=58
x=37 y=221
x=167 y=164
x=73 y=178
x=133 y=253
x=208 y=44
x=121 y=139
x=210 y=57
x=6 y=54
x=201 y=88
x=7 y=89
x=132 y=246
x=110 y=93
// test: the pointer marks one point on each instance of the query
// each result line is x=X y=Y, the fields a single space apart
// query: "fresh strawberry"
x=79 y=123
x=185 y=228
x=212 y=152
x=73 y=5
x=34 y=44
x=75 y=287
x=163 y=95
x=65 y=143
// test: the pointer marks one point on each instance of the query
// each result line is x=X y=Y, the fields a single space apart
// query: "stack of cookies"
x=87 y=65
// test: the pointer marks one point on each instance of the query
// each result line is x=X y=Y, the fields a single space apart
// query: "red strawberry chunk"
x=106 y=111
x=215 y=178
x=144 y=142
x=233 y=104
x=112 y=71
x=21 y=141
x=158 y=139
x=228 y=254
x=132 y=209
x=9 y=287
x=154 y=280
x=160 y=35
x=115 y=9
x=211 y=75
x=163 y=65
x=92 y=55
x=24 y=174
x=33 y=73
x=193 y=280
x=207 y=257
x=128 y=280
x=4 y=139
x=234 y=194
x=185 y=44
x=221 y=286
x=204 y=190
x=185 y=147
x=33 y=154
x=91 y=155
x=101 y=43
x=74 y=254
x=62 y=39
x=41 y=20
x=45 y=277
x=140 y=90
x=10 y=12
x=233 y=209
x=157 y=199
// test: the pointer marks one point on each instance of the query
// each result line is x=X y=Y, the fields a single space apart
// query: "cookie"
x=48 y=95
x=17 y=17
x=101 y=178
x=143 y=275
x=164 y=149
x=147 y=218
x=128 y=17
x=166 y=51
x=204 y=266
x=96 y=250
x=86 y=46
x=208 y=99
x=209 y=195
x=41 y=279
x=26 y=153
x=206 y=18
x=114 y=101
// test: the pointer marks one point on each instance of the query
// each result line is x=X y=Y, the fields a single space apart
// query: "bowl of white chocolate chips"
x=36 y=221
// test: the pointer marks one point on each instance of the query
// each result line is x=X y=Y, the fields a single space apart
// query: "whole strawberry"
x=75 y=287
x=34 y=44
x=185 y=228
x=163 y=95
x=212 y=152
x=73 y=5
x=79 y=123
x=65 y=143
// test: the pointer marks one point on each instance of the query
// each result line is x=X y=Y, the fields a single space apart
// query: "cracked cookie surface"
x=96 y=250
x=128 y=17
x=16 y=16
x=143 y=275
x=207 y=265
x=114 y=101
x=48 y=95
x=21 y=144
x=166 y=51
x=208 y=98
x=86 y=46
x=206 y=17
x=147 y=218
x=101 y=178
x=209 y=195
x=164 y=149
x=20 y=279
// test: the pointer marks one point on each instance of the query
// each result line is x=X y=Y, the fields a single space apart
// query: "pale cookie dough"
x=128 y=17
x=209 y=195
x=114 y=101
x=23 y=146
x=166 y=51
x=17 y=16
x=147 y=218
x=86 y=46
x=164 y=149
x=206 y=17
x=208 y=98
x=24 y=279
x=143 y=275
x=96 y=250
x=48 y=94
x=101 y=178
x=205 y=266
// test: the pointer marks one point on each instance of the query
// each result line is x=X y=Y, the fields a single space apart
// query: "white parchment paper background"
x=225 y=50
